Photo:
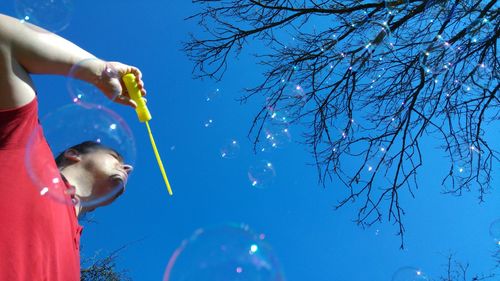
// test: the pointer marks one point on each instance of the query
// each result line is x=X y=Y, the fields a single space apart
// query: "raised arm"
x=31 y=50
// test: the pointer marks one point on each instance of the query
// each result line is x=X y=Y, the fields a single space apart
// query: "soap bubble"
x=208 y=123
x=274 y=137
x=284 y=109
x=294 y=92
x=377 y=33
x=484 y=76
x=230 y=252
x=395 y=6
x=438 y=57
x=213 y=95
x=230 y=150
x=409 y=274
x=495 y=231
x=480 y=30
x=279 y=117
x=357 y=18
x=52 y=15
x=277 y=114
x=262 y=174
x=71 y=125
x=82 y=92
x=438 y=11
x=374 y=39
x=467 y=88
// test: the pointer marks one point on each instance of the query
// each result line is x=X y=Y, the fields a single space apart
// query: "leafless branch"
x=368 y=81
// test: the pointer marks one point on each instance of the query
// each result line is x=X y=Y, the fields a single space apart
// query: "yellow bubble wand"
x=144 y=116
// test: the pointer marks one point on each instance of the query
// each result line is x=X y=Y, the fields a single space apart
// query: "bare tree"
x=103 y=268
x=460 y=271
x=100 y=267
x=368 y=80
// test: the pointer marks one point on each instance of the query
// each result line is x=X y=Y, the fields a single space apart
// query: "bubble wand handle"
x=133 y=90
x=144 y=116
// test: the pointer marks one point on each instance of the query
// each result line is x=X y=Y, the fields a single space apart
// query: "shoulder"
x=16 y=86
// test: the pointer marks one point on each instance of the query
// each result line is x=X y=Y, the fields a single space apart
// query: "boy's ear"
x=72 y=155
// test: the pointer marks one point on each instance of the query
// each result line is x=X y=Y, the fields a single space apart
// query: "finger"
x=137 y=72
x=124 y=100
x=140 y=86
x=138 y=78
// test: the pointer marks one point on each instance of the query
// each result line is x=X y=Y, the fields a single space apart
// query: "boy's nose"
x=128 y=168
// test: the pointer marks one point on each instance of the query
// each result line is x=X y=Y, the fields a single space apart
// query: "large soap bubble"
x=71 y=125
x=224 y=253
x=52 y=15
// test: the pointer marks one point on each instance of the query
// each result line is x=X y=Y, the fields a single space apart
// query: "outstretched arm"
x=28 y=50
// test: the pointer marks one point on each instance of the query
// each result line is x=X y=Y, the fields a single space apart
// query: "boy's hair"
x=84 y=147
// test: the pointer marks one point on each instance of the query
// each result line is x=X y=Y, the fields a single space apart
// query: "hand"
x=111 y=84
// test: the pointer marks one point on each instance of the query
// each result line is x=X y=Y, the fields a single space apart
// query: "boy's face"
x=109 y=172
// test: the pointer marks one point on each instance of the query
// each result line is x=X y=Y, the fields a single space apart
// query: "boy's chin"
x=119 y=180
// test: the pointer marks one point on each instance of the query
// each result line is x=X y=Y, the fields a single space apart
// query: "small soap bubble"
x=213 y=95
x=274 y=137
x=357 y=18
x=295 y=92
x=374 y=39
x=480 y=30
x=438 y=57
x=230 y=150
x=409 y=273
x=466 y=88
x=261 y=174
x=278 y=116
x=495 y=231
x=84 y=93
x=483 y=75
x=281 y=117
x=71 y=125
x=438 y=11
x=222 y=253
x=52 y=15
x=396 y=6
x=208 y=123
x=377 y=34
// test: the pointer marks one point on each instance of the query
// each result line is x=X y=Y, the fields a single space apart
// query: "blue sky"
x=310 y=239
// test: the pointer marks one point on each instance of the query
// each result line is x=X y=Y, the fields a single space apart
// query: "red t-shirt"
x=39 y=237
